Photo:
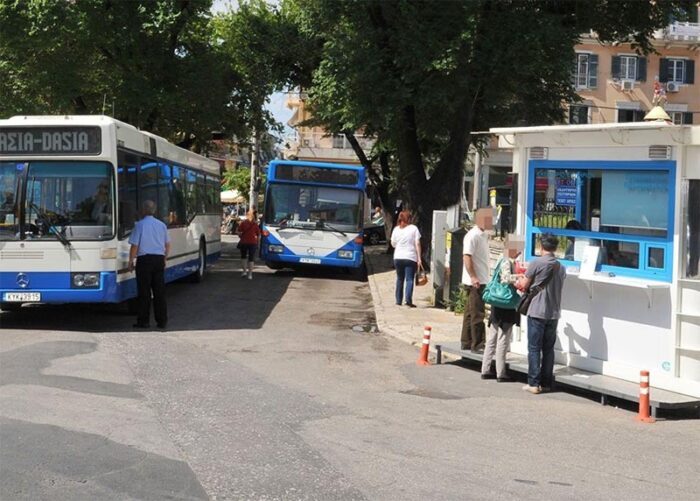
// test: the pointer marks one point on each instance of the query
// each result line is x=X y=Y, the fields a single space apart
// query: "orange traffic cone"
x=423 y=360
x=644 y=398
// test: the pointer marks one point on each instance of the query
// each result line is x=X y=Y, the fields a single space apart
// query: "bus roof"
x=318 y=164
x=127 y=135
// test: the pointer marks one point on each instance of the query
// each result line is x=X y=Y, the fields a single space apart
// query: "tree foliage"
x=239 y=180
x=421 y=75
x=263 y=45
x=152 y=63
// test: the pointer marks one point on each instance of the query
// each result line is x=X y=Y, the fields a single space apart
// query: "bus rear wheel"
x=198 y=275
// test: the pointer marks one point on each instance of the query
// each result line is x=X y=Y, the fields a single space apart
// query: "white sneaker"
x=250 y=275
x=244 y=273
x=535 y=390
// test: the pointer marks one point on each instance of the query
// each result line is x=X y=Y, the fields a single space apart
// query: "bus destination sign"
x=309 y=173
x=50 y=141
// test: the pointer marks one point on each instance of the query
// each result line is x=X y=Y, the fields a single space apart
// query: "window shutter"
x=687 y=119
x=663 y=70
x=616 y=67
x=689 y=71
x=642 y=69
x=593 y=71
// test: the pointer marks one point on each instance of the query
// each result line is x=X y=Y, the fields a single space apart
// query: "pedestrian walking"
x=150 y=245
x=475 y=275
x=544 y=279
x=249 y=233
x=405 y=238
x=501 y=320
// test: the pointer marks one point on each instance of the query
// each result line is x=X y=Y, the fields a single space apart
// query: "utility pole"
x=254 y=156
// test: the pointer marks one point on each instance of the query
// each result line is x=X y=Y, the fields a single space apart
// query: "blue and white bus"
x=71 y=191
x=313 y=215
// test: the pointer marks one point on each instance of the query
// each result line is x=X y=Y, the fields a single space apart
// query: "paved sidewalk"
x=401 y=321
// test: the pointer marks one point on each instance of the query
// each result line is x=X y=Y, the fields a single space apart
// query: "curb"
x=378 y=310
x=377 y=302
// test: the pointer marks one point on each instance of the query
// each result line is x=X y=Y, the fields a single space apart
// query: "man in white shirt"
x=475 y=276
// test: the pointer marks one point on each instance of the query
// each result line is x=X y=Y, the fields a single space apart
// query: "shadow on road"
x=224 y=300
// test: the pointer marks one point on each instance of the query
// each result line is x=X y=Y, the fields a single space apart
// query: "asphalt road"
x=277 y=388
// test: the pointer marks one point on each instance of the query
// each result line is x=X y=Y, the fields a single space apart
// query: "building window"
x=681 y=117
x=630 y=115
x=629 y=68
x=578 y=114
x=586 y=72
x=677 y=70
x=625 y=209
x=338 y=141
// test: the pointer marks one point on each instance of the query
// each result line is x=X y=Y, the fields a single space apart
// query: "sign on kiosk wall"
x=635 y=199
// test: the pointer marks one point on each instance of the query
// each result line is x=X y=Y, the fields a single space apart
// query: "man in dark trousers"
x=150 y=245
x=546 y=275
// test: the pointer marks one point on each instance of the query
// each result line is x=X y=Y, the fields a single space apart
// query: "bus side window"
x=164 y=211
x=148 y=182
x=178 y=213
x=128 y=192
x=191 y=194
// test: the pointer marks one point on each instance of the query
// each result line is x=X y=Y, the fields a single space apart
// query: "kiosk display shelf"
x=604 y=278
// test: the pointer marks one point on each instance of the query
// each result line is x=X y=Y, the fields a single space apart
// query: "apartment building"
x=315 y=143
x=618 y=85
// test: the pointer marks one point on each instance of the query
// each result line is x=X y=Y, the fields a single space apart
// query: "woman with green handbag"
x=503 y=317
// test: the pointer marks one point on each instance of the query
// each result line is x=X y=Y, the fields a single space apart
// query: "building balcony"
x=680 y=32
x=294 y=99
x=323 y=147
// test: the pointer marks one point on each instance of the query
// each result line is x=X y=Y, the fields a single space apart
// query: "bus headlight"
x=345 y=254
x=275 y=249
x=85 y=280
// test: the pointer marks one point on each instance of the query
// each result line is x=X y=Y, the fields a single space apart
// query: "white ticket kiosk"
x=632 y=192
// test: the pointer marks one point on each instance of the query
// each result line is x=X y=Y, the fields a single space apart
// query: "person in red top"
x=249 y=233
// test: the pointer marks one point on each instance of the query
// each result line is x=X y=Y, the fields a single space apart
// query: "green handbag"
x=498 y=294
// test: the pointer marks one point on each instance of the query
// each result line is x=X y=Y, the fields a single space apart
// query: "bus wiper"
x=322 y=225
x=44 y=218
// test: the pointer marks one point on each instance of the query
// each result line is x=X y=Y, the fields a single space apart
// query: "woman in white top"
x=406 y=242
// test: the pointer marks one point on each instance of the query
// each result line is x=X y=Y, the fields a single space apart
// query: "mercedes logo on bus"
x=311 y=251
x=22 y=280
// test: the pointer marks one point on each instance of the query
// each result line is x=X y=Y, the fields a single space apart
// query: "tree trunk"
x=445 y=185
x=378 y=181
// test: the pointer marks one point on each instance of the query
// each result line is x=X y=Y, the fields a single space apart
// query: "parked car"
x=374 y=232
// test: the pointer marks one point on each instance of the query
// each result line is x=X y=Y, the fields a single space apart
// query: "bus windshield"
x=329 y=208
x=70 y=197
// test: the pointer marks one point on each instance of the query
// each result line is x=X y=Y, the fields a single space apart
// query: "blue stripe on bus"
x=55 y=286
x=288 y=256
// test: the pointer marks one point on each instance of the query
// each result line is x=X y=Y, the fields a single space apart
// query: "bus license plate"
x=21 y=297
x=310 y=260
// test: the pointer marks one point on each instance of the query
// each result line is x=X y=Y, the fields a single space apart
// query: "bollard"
x=644 y=398
x=423 y=360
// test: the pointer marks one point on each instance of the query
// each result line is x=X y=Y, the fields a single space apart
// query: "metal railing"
x=324 y=140
x=680 y=31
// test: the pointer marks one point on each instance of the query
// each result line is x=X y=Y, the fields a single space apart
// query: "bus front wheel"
x=10 y=306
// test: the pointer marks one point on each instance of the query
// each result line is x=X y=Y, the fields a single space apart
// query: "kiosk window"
x=625 y=208
x=656 y=257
